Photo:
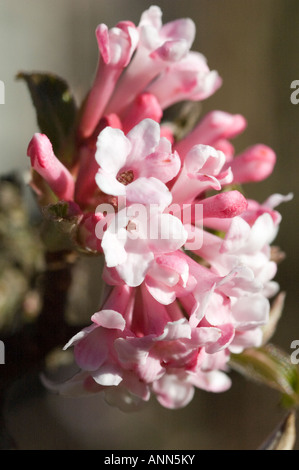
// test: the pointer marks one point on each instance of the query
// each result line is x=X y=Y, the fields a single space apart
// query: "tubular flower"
x=187 y=257
x=159 y=46
x=116 y=47
x=188 y=79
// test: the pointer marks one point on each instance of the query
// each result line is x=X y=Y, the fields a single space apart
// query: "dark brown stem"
x=27 y=348
x=52 y=329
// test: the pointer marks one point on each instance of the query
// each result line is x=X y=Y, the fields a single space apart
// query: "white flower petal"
x=144 y=138
x=251 y=311
x=112 y=150
x=108 y=375
x=212 y=381
x=134 y=269
x=173 y=392
x=91 y=352
x=113 y=247
x=149 y=191
x=132 y=350
x=161 y=292
x=109 y=184
x=167 y=233
x=77 y=337
x=109 y=319
x=175 y=330
x=204 y=159
x=262 y=233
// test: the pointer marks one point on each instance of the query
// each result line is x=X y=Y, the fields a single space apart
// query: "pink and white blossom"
x=158 y=46
x=137 y=165
x=135 y=235
x=176 y=310
x=113 y=357
x=189 y=79
x=202 y=170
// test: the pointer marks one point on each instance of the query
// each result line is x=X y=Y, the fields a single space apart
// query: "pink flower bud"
x=144 y=106
x=254 y=164
x=44 y=161
x=224 y=205
x=226 y=147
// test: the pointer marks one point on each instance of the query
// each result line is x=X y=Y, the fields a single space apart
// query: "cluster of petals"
x=187 y=258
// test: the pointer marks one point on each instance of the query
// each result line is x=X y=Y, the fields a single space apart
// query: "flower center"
x=126 y=177
x=131 y=226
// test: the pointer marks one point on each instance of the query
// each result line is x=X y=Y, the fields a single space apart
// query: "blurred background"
x=254 y=45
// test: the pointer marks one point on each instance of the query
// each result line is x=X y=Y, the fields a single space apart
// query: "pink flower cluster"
x=175 y=309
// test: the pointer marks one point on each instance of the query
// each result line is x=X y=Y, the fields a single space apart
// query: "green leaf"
x=56 y=110
x=59 y=211
x=272 y=367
